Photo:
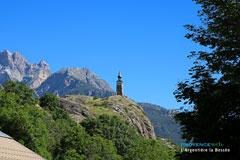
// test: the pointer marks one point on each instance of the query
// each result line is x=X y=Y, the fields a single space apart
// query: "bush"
x=23 y=93
x=51 y=103
x=95 y=97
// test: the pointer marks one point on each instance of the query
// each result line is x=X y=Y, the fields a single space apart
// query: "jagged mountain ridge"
x=68 y=81
x=15 y=67
x=163 y=122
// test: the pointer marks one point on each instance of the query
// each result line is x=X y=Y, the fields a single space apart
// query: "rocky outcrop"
x=76 y=110
x=73 y=81
x=172 y=112
x=80 y=107
x=13 y=66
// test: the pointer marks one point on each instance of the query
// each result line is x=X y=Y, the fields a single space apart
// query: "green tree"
x=112 y=128
x=130 y=145
x=73 y=145
x=26 y=125
x=61 y=125
x=215 y=112
x=77 y=144
x=95 y=97
x=57 y=130
x=50 y=102
x=101 y=149
x=149 y=149
x=22 y=119
x=24 y=94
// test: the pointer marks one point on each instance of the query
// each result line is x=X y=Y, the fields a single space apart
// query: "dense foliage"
x=112 y=128
x=77 y=144
x=51 y=103
x=22 y=93
x=22 y=119
x=42 y=126
x=215 y=113
x=130 y=145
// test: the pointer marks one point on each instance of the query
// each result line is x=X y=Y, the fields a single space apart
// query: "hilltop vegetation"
x=80 y=107
x=42 y=126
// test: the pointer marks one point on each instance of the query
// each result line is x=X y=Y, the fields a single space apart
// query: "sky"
x=144 y=39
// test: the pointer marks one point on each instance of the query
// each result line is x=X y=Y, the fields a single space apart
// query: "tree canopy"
x=215 y=112
x=129 y=144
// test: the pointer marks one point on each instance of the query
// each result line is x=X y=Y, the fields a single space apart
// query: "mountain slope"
x=13 y=66
x=73 y=81
x=163 y=122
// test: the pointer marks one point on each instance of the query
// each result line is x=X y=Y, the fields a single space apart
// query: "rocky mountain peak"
x=7 y=52
x=18 y=58
x=6 y=58
x=15 y=67
x=172 y=112
x=75 y=81
x=75 y=71
x=43 y=64
x=87 y=76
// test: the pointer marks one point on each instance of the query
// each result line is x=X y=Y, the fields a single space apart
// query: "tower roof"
x=119 y=75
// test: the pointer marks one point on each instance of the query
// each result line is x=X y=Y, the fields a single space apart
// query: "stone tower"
x=119 y=85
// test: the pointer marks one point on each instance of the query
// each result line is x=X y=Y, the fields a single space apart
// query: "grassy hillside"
x=80 y=107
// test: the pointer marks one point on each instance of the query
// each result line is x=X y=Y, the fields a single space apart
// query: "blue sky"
x=144 y=39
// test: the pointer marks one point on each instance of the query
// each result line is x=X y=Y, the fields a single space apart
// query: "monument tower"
x=119 y=90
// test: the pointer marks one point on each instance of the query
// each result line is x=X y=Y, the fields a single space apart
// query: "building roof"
x=12 y=150
x=4 y=135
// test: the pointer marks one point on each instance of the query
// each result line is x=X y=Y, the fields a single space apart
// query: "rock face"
x=73 y=81
x=163 y=122
x=172 y=112
x=80 y=107
x=15 y=67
